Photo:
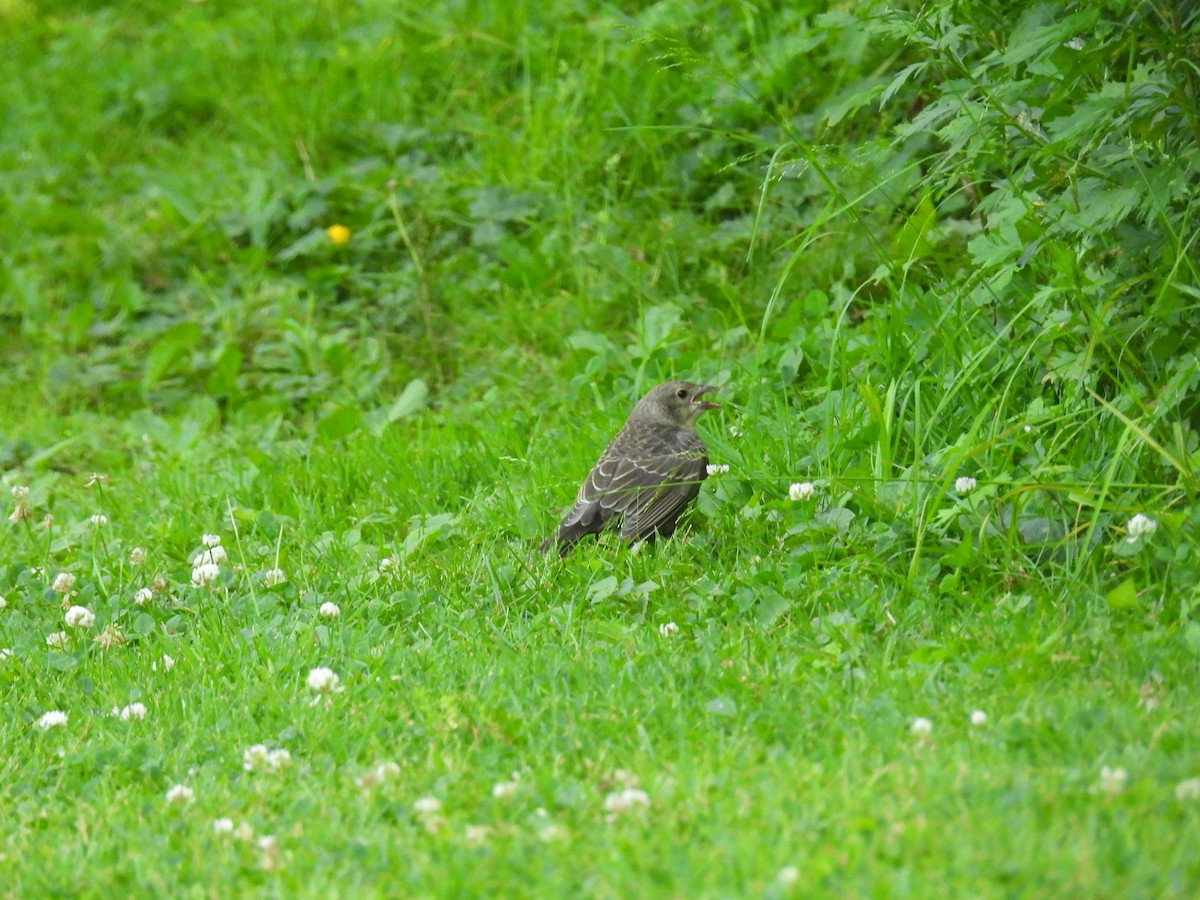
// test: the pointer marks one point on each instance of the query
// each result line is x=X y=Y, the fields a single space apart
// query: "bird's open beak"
x=705 y=404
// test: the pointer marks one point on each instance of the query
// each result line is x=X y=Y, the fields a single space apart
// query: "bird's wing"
x=609 y=489
x=653 y=509
x=618 y=481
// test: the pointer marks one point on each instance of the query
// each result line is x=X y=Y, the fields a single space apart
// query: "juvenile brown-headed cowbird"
x=648 y=474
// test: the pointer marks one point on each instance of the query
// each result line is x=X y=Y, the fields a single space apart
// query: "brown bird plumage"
x=648 y=474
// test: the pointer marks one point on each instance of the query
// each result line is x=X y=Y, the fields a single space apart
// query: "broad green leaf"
x=342 y=421
x=603 y=589
x=411 y=399
x=1124 y=595
x=172 y=346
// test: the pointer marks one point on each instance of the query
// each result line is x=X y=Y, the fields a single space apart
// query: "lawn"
x=314 y=316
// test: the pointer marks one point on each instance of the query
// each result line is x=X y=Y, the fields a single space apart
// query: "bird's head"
x=678 y=403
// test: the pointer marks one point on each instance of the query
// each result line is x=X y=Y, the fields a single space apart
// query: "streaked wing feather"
x=618 y=485
x=655 y=509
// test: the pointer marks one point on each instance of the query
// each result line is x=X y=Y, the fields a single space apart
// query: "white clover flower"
x=53 y=719
x=1140 y=526
x=329 y=610
x=387 y=564
x=666 y=629
x=801 y=490
x=788 y=876
x=964 y=484
x=622 y=801
x=477 y=834
x=734 y=431
x=1076 y=43
x=168 y=663
x=427 y=806
x=255 y=757
x=144 y=595
x=377 y=775
x=921 y=725
x=323 y=680
x=719 y=469
x=210 y=540
x=553 y=832
x=110 y=637
x=1029 y=429
x=269 y=857
x=258 y=757
x=1188 y=789
x=278 y=759
x=180 y=795
x=222 y=826
x=5 y=653
x=206 y=574
x=80 y=617
x=979 y=717
x=214 y=556
x=99 y=520
x=20 y=512
x=58 y=640
x=272 y=577
x=64 y=582
x=134 y=712
x=502 y=790
x=1112 y=781
x=3 y=603
x=244 y=832
x=137 y=556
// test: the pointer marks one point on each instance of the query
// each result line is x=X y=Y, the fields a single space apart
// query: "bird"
x=648 y=473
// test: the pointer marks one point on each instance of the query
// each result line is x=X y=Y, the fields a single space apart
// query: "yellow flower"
x=339 y=234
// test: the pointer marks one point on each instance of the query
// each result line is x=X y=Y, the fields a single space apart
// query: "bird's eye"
x=681 y=393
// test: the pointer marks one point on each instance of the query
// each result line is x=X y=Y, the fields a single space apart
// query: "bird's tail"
x=559 y=543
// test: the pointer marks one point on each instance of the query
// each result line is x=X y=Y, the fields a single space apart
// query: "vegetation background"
x=917 y=244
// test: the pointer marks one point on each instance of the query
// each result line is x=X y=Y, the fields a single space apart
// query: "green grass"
x=912 y=246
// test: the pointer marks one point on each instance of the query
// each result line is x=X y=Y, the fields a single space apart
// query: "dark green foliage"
x=868 y=221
